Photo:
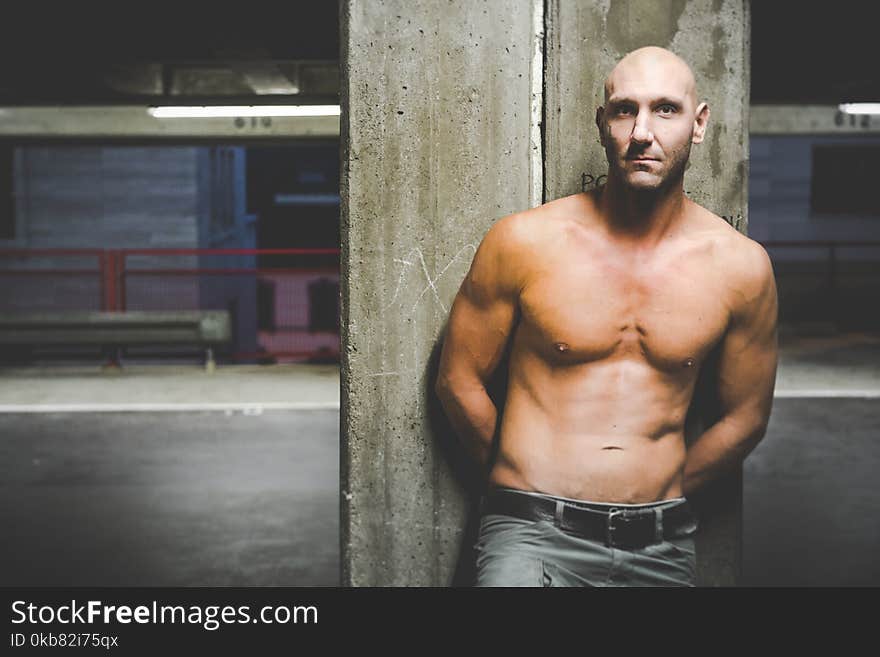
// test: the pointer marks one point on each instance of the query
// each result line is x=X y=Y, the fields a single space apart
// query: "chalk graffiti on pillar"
x=588 y=180
x=414 y=260
x=855 y=120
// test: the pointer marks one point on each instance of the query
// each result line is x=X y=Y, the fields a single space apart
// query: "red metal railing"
x=112 y=274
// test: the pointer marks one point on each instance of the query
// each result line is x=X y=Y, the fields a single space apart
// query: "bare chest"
x=669 y=313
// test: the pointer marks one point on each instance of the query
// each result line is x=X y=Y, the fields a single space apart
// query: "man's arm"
x=480 y=324
x=746 y=375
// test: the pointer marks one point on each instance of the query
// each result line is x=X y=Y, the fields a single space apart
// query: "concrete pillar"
x=437 y=144
x=585 y=38
x=443 y=110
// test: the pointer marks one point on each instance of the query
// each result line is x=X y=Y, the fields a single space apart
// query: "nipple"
x=689 y=362
x=561 y=347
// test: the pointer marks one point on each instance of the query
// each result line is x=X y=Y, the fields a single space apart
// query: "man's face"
x=649 y=122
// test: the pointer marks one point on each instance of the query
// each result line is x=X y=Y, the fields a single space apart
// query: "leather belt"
x=615 y=527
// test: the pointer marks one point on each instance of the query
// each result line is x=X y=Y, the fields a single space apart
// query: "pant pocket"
x=672 y=562
x=509 y=570
x=557 y=577
x=498 y=529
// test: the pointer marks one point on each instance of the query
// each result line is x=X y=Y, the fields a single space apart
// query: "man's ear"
x=701 y=120
x=600 y=112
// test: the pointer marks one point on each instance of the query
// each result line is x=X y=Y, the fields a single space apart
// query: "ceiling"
x=808 y=53
x=61 y=53
x=72 y=52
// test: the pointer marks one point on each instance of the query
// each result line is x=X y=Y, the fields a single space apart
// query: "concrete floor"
x=170 y=499
x=242 y=494
x=246 y=492
x=829 y=364
x=23 y=389
x=811 y=499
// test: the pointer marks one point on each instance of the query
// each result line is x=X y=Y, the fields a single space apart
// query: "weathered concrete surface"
x=435 y=134
x=584 y=41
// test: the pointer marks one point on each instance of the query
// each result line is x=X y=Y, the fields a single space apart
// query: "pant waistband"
x=617 y=525
x=598 y=506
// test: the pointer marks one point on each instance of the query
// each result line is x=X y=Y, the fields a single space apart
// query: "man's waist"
x=623 y=478
x=617 y=524
x=593 y=504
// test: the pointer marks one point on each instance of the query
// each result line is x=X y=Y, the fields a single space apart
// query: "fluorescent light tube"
x=860 y=108
x=234 y=111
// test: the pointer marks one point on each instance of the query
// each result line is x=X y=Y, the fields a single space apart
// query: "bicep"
x=482 y=314
x=476 y=335
x=748 y=356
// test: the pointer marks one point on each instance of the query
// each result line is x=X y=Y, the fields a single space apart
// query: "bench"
x=206 y=329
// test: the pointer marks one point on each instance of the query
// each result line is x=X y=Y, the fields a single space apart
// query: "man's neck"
x=641 y=218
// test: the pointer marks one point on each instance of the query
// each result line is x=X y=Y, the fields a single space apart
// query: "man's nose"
x=642 y=130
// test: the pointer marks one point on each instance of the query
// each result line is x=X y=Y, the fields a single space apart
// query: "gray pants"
x=516 y=552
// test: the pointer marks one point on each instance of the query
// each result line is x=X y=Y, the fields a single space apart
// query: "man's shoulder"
x=532 y=227
x=752 y=271
x=741 y=248
x=743 y=261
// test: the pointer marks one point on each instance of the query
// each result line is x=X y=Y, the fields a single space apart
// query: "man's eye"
x=624 y=110
x=667 y=109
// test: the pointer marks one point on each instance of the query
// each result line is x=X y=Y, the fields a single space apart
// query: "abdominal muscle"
x=608 y=431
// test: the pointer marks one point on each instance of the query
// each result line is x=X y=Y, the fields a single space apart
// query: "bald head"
x=650 y=119
x=656 y=66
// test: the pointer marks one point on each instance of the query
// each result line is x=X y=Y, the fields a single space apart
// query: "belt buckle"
x=624 y=515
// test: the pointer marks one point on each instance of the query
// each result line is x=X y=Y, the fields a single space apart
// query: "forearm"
x=473 y=416
x=719 y=449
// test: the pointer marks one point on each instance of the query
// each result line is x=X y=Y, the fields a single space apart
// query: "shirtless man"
x=613 y=300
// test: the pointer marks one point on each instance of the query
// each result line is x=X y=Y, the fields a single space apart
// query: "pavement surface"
x=170 y=499
x=173 y=476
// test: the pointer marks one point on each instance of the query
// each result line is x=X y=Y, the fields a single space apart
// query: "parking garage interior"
x=216 y=463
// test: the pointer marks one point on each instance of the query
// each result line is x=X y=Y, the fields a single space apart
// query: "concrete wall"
x=812 y=288
x=106 y=197
x=443 y=107
x=99 y=197
x=781 y=172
